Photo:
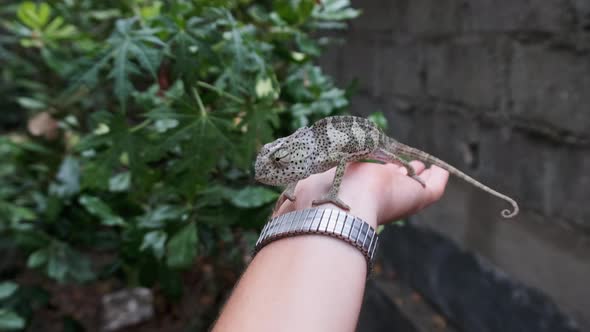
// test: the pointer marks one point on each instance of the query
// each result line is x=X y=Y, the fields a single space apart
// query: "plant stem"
x=220 y=92
x=140 y=126
x=199 y=102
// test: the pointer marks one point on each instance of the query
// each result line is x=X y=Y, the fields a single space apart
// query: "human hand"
x=376 y=193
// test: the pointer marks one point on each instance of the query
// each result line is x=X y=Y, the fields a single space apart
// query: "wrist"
x=366 y=212
x=323 y=220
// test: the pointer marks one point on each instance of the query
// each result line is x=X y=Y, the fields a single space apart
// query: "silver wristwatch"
x=328 y=222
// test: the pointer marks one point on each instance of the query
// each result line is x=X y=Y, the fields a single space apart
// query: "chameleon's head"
x=287 y=159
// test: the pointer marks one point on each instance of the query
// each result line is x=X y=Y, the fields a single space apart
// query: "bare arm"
x=316 y=283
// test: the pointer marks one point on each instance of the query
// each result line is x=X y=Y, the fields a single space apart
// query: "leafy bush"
x=129 y=129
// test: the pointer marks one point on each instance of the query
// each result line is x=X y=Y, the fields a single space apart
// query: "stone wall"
x=500 y=89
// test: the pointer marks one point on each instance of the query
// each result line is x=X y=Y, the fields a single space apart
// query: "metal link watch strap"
x=334 y=223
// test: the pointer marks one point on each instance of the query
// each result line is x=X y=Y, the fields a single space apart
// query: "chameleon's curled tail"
x=413 y=153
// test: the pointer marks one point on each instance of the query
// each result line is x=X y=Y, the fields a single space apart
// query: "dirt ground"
x=75 y=308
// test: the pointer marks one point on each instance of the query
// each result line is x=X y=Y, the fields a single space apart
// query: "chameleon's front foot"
x=330 y=198
x=289 y=192
x=289 y=195
x=278 y=203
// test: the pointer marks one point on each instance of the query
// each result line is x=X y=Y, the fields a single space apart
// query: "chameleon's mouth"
x=257 y=177
x=263 y=179
x=261 y=175
x=266 y=176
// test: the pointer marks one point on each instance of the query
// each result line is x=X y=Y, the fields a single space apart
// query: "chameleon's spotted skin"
x=334 y=141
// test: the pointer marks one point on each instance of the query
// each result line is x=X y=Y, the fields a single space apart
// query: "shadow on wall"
x=471 y=293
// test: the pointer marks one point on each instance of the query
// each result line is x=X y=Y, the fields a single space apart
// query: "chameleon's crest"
x=287 y=159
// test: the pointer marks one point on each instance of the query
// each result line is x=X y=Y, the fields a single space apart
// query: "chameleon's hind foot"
x=419 y=179
x=328 y=198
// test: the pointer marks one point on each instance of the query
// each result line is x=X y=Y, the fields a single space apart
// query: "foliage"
x=130 y=127
x=9 y=320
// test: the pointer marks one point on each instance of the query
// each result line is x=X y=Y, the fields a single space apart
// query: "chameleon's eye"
x=279 y=155
x=280 y=161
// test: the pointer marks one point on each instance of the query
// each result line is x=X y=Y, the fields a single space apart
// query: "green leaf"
x=130 y=43
x=57 y=267
x=182 y=247
x=184 y=47
x=56 y=29
x=10 y=320
x=106 y=14
x=98 y=208
x=307 y=45
x=90 y=75
x=251 y=197
x=154 y=240
x=164 y=125
x=148 y=58
x=175 y=91
x=7 y=288
x=122 y=67
x=379 y=119
x=79 y=267
x=38 y=258
x=151 y=11
x=156 y=218
x=294 y=11
x=33 y=15
x=68 y=178
x=30 y=103
x=120 y=182
x=15 y=214
x=65 y=264
x=335 y=10
x=202 y=141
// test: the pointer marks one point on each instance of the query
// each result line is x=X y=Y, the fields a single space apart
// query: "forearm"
x=303 y=283
x=315 y=282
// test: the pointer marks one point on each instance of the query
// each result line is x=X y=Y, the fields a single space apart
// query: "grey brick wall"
x=500 y=89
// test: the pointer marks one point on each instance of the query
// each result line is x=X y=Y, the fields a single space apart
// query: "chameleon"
x=333 y=142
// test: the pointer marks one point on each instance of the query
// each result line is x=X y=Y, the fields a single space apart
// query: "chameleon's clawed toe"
x=333 y=200
x=290 y=196
x=419 y=179
x=282 y=198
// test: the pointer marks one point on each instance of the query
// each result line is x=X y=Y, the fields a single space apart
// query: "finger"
x=436 y=181
x=398 y=167
x=419 y=166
